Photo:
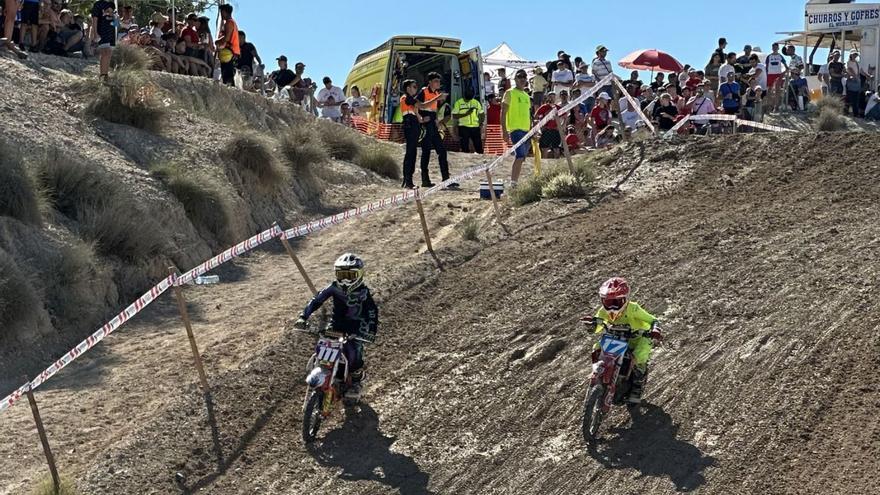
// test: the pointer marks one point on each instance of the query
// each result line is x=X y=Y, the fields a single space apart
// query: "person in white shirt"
x=824 y=77
x=360 y=105
x=329 y=99
x=727 y=68
x=563 y=77
x=628 y=115
x=488 y=84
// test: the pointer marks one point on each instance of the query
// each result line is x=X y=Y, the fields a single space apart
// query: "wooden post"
x=494 y=200
x=636 y=106
x=562 y=130
x=181 y=305
x=56 y=481
x=425 y=230
x=299 y=266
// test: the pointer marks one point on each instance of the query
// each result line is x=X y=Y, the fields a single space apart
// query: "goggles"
x=348 y=276
x=615 y=304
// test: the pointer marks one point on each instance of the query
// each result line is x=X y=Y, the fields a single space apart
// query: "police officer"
x=431 y=97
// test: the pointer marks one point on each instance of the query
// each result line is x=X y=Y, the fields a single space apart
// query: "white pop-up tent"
x=504 y=56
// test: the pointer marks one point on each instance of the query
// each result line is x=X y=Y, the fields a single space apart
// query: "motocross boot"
x=638 y=379
x=354 y=390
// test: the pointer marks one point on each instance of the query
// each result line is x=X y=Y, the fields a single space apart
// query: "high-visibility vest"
x=406 y=109
x=428 y=94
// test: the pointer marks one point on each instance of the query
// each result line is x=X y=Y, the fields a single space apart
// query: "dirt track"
x=762 y=270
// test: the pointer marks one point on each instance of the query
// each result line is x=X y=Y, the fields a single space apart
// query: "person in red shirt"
x=493 y=112
x=550 y=140
x=190 y=35
x=600 y=116
x=572 y=140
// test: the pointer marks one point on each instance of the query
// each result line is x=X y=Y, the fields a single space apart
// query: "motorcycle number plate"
x=328 y=350
x=611 y=345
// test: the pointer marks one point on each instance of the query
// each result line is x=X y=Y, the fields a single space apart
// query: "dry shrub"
x=469 y=228
x=47 y=487
x=556 y=182
x=204 y=205
x=253 y=153
x=18 y=299
x=102 y=209
x=129 y=98
x=380 y=161
x=564 y=185
x=129 y=57
x=302 y=146
x=343 y=143
x=19 y=197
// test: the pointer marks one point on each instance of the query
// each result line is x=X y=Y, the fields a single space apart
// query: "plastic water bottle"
x=207 y=279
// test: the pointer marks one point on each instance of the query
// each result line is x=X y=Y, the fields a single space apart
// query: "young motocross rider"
x=354 y=313
x=617 y=309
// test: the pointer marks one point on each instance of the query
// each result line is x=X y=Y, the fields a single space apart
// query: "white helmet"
x=349 y=271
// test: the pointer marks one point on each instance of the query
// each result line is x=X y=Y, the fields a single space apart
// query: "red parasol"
x=652 y=60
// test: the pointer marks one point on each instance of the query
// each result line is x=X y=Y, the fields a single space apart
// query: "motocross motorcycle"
x=328 y=378
x=611 y=379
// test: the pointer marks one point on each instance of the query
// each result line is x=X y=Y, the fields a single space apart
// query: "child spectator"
x=572 y=140
x=539 y=87
x=550 y=140
x=665 y=112
x=798 y=91
x=103 y=31
x=754 y=101
x=359 y=104
x=600 y=116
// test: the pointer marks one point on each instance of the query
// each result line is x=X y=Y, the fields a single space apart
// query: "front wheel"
x=593 y=414
x=312 y=416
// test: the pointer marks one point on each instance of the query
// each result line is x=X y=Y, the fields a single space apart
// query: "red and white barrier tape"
x=237 y=250
x=323 y=223
x=759 y=125
x=90 y=341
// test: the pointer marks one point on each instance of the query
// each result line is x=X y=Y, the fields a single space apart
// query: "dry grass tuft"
x=129 y=98
x=556 y=182
x=469 y=228
x=46 y=487
x=343 y=143
x=102 y=210
x=20 y=198
x=378 y=160
x=204 y=205
x=128 y=57
x=18 y=299
x=253 y=153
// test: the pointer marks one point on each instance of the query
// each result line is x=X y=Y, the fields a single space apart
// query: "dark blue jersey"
x=353 y=313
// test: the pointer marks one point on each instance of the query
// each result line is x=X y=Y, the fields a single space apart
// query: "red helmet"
x=614 y=294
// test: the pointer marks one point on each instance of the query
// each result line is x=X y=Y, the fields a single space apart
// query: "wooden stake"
x=425 y=230
x=559 y=127
x=635 y=105
x=299 y=266
x=56 y=481
x=494 y=200
x=181 y=305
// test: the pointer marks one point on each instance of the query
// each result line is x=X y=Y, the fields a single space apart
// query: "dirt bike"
x=326 y=385
x=611 y=379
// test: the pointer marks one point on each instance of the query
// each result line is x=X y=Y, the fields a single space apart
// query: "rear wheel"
x=312 y=416
x=593 y=413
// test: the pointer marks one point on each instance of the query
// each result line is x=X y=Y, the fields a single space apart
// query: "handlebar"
x=329 y=332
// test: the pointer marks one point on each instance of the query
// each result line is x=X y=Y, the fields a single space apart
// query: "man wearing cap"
x=836 y=71
x=516 y=121
x=300 y=88
x=563 y=77
x=747 y=53
x=798 y=92
x=283 y=76
x=601 y=68
x=329 y=99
